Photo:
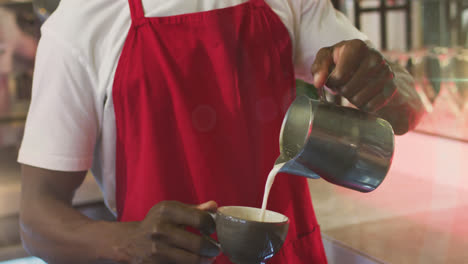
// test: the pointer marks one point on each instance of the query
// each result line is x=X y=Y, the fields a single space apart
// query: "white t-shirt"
x=71 y=121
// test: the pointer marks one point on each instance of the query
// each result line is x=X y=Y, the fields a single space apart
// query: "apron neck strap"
x=136 y=9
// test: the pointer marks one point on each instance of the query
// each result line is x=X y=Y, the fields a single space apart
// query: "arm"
x=405 y=109
x=347 y=50
x=52 y=230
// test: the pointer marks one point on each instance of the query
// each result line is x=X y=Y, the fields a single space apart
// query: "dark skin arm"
x=362 y=75
x=54 y=231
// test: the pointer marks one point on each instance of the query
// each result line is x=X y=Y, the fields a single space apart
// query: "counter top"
x=418 y=215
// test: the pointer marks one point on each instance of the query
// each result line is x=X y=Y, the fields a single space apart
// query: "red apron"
x=199 y=101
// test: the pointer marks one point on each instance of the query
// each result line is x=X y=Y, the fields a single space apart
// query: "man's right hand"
x=58 y=233
x=162 y=236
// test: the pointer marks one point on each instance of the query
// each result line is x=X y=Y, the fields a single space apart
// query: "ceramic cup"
x=246 y=240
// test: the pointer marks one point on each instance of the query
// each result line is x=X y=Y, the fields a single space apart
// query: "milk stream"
x=269 y=183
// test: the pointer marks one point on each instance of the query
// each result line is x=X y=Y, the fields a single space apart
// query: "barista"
x=175 y=103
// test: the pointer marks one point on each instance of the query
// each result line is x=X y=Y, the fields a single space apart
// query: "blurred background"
x=418 y=215
x=20 y=23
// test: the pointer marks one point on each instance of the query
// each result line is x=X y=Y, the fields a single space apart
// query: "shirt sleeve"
x=320 y=25
x=63 y=119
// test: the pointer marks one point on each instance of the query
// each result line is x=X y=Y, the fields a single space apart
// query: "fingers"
x=167 y=223
x=347 y=57
x=376 y=93
x=210 y=206
x=375 y=104
x=339 y=61
x=370 y=67
x=168 y=254
x=180 y=238
x=182 y=214
x=368 y=92
x=321 y=66
x=361 y=74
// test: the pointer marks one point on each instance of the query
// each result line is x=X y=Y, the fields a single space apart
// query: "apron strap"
x=136 y=9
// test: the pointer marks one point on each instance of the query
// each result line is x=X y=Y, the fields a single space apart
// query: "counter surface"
x=418 y=215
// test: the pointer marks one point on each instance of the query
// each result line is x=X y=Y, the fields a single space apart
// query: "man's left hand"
x=356 y=71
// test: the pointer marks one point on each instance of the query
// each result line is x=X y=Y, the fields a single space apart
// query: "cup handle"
x=209 y=238
x=216 y=243
x=213 y=215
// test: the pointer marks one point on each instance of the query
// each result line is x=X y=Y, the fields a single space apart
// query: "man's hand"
x=363 y=76
x=58 y=233
x=162 y=236
x=356 y=71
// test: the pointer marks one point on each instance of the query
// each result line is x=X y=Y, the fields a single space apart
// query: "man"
x=176 y=103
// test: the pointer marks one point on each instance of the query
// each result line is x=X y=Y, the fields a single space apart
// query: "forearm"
x=405 y=108
x=57 y=233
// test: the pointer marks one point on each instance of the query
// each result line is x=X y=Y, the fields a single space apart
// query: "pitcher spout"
x=281 y=159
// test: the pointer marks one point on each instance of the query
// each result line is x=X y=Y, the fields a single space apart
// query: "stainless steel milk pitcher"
x=344 y=146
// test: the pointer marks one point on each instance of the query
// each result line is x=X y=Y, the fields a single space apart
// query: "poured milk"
x=269 y=183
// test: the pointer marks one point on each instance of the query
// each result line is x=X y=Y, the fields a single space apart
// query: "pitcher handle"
x=321 y=90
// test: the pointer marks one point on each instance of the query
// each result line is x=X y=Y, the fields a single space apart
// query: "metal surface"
x=344 y=146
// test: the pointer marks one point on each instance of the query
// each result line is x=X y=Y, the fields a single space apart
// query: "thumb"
x=207 y=206
x=321 y=66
